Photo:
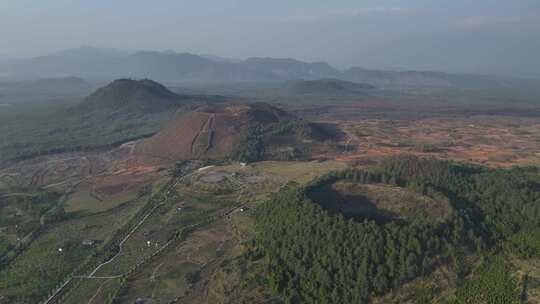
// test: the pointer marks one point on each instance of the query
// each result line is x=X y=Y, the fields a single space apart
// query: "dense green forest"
x=32 y=130
x=316 y=256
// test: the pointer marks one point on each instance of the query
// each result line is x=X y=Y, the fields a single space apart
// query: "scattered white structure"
x=88 y=242
x=60 y=249
x=204 y=168
x=243 y=165
x=148 y=243
x=244 y=208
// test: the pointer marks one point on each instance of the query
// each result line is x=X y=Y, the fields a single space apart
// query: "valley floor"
x=139 y=233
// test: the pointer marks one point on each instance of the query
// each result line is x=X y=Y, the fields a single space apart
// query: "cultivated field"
x=488 y=135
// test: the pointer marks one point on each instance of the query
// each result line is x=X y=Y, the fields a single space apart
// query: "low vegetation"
x=22 y=214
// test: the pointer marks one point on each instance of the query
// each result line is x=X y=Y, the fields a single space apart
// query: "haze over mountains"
x=107 y=64
x=45 y=89
x=270 y=152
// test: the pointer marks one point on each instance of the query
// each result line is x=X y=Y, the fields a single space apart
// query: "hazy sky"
x=482 y=36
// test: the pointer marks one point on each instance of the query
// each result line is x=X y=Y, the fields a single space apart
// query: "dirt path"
x=194 y=141
x=97 y=292
x=207 y=127
x=61 y=201
x=120 y=245
x=91 y=275
x=153 y=276
x=57 y=291
x=211 y=132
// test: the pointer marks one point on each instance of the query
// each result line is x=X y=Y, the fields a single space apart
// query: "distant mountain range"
x=44 y=89
x=327 y=87
x=172 y=67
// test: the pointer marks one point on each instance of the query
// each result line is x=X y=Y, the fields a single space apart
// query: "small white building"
x=88 y=242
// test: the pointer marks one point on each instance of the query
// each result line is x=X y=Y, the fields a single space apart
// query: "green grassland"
x=23 y=213
x=29 y=278
x=184 y=268
x=85 y=201
x=160 y=229
x=93 y=291
x=172 y=273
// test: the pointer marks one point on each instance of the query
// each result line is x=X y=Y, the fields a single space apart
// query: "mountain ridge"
x=170 y=66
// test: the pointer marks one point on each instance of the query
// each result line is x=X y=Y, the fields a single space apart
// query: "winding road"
x=91 y=275
x=120 y=246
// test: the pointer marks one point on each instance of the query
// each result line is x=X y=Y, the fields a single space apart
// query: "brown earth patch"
x=496 y=141
x=208 y=132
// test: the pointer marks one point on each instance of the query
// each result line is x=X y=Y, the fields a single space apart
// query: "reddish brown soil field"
x=176 y=140
x=496 y=136
x=493 y=136
x=127 y=178
x=104 y=173
x=212 y=131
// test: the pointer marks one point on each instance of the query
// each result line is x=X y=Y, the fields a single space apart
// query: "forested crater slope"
x=316 y=254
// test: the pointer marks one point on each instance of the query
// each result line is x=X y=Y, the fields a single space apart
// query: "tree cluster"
x=313 y=256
